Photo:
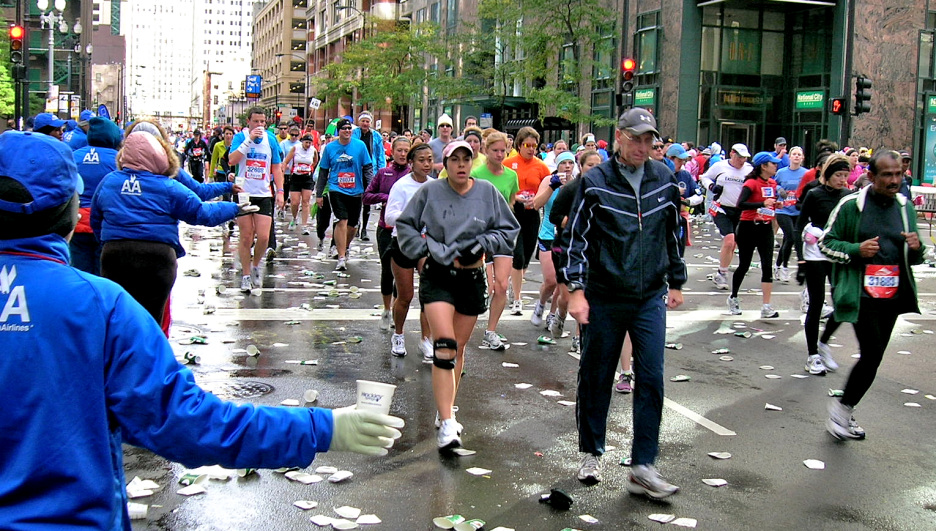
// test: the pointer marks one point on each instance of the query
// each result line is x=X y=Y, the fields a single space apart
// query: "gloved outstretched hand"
x=247 y=208
x=363 y=431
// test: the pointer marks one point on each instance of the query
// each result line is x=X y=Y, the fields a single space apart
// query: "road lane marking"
x=715 y=427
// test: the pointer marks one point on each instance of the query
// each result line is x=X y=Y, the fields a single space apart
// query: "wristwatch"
x=575 y=286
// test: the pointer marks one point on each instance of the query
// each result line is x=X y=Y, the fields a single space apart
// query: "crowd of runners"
x=465 y=212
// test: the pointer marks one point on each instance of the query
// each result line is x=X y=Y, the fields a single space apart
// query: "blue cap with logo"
x=44 y=166
x=46 y=119
x=764 y=157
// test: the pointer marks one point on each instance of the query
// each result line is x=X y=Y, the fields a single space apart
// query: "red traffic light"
x=17 y=32
x=628 y=64
x=837 y=106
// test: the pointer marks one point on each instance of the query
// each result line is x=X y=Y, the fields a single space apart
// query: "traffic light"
x=862 y=95
x=837 y=106
x=279 y=115
x=628 y=71
x=17 y=36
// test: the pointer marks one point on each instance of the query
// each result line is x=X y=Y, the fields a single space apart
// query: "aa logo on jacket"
x=131 y=187
x=91 y=157
x=15 y=304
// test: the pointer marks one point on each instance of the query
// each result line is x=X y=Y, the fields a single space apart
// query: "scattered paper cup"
x=375 y=396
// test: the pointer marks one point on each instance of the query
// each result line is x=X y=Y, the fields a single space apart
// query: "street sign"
x=75 y=110
x=315 y=103
x=810 y=100
x=486 y=120
x=931 y=105
x=645 y=97
x=253 y=86
x=52 y=99
x=377 y=124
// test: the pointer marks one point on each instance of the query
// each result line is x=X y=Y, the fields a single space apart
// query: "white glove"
x=247 y=208
x=363 y=431
x=696 y=199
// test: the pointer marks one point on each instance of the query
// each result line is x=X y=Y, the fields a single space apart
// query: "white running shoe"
x=776 y=273
x=306 y=230
x=734 y=306
x=516 y=307
x=398 y=345
x=785 y=276
x=826 y=354
x=385 y=323
x=556 y=326
x=644 y=479
x=292 y=225
x=492 y=340
x=438 y=420
x=815 y=366
x=827 y=311
x=767 y=312
x=537 y=317
x=721 y=280
x=342 y=264
x=841 y=424
x=425 y=346
x=447 y=437
x=255 y=277
x=246 y=285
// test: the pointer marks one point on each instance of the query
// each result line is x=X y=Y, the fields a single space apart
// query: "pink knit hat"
x=141 y=151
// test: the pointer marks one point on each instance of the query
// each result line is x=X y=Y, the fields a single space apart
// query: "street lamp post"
x=49 y=20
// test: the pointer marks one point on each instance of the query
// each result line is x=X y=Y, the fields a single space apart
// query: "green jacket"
x=840 y=244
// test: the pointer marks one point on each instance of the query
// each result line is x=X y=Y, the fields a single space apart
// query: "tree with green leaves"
x=544 y=46
x=388 y=68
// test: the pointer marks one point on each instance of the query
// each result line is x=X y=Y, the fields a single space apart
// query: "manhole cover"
x=236 y=390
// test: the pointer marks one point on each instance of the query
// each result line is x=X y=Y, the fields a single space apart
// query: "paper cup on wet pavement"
x=375 y=396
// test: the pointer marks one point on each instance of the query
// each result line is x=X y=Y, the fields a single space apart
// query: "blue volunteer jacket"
x=78 y=379
x=139 y=205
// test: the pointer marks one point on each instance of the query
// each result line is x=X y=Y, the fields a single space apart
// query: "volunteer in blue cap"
x=101 y=373
x=758 y=203
x=48 y=124
x=79 y=137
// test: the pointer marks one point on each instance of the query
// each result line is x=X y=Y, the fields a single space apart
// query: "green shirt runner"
x=506 y=183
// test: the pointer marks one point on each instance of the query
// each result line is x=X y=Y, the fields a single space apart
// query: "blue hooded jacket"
x=98 y=157
x=377 y=150
x=79 y=379
x=138 y=205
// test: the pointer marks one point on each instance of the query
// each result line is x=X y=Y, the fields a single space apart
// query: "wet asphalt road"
x=528 y=440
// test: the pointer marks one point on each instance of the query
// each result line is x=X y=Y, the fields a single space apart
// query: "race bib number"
x=256 y=169
x=714 y=208
x=790 y=200
x=767 y=192
x=881 y=281
x=765 y=214
x=302 y=169
x=198 y=152
x=346 y=179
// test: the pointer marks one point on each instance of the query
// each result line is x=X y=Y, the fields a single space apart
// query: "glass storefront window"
x=647 y=44
x=711 y=44
x=772 y=54
x=926 y=55
x=741 y=18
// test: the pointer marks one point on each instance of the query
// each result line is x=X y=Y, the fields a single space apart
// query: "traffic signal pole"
x=845 y=134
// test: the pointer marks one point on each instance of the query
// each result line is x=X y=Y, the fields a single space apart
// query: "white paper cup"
x=137 y=511
x=242 y=198
x=375 y=396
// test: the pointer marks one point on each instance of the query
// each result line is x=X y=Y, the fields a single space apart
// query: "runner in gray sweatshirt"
x=438 y=222
x=454 y=222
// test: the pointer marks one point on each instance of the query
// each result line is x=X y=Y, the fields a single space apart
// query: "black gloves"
x=471 y=254
x=801 y=273
x=716 y=188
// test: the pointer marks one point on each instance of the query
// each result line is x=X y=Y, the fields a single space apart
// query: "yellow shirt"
x=480 y=160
